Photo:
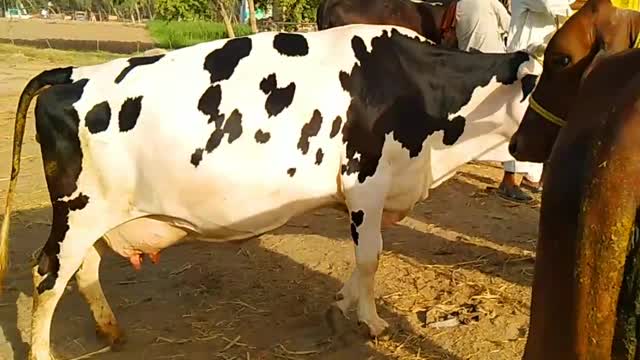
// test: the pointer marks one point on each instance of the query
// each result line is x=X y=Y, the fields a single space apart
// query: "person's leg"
x=467 y=21
x=509 y=187
x=533 y=175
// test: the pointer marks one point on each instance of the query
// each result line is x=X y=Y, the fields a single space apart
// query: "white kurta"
x=535 y=21
x=481 y=24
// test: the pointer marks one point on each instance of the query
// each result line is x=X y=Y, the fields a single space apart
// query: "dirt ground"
x=74 y=30
x=464 y=253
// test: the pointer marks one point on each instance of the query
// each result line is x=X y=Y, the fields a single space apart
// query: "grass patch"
x=177 y=34
x=12 y=54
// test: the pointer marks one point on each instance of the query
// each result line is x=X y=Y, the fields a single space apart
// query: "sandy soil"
x=74 y=30
x=464 y=253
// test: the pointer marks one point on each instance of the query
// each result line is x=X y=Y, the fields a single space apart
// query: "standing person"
x=532 y=22
x=482 y=25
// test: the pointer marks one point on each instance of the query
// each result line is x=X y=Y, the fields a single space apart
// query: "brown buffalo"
x=573 y=319
x=434 y=19
x=597 y=27
x=582 y=306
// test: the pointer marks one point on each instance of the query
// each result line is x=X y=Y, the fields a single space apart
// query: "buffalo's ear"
x=602 y=53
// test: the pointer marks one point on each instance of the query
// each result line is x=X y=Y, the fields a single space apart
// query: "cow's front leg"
x=365 y=202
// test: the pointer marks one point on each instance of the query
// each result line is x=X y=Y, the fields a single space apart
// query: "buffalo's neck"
x=553 y=297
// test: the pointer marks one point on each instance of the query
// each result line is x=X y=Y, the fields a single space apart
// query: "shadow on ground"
x=196 y=302
x=453 y=209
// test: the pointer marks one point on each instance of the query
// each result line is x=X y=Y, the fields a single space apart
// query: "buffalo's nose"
x=513 y=145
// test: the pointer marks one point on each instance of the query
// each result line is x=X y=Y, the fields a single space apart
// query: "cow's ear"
x=534 y=65
x=537 y=50
x=531 y=67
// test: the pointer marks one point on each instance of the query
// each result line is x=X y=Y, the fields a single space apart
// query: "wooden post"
x=225 y=18
x=252 y=16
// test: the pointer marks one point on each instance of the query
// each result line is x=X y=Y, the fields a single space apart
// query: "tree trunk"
x=225 y=18
x=150 y=11
x=277 y=10
x=252 y=16
x=138 y=13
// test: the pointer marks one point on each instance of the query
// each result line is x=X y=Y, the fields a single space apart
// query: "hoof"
x=335 y=319
x=112 y=336
x=377 y=329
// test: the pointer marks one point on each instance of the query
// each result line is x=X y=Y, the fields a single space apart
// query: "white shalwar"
x=481 y=25
x=533 y=22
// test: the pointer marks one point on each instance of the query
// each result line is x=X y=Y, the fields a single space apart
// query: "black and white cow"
x=230 y=139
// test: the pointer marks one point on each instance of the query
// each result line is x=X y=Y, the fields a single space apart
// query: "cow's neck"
x=483 y=88
x=449 y=78
x=491 y=117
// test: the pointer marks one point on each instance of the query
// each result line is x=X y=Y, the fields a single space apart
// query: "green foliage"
x=183 y=9
x=177 y=34
x=299 y=10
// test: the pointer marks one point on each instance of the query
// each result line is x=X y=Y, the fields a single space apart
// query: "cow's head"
x=568 y=57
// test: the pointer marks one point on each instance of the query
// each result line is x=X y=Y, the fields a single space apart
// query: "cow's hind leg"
x=80 y=214
x=77 y=224
x=365 y=202
x=88 y=278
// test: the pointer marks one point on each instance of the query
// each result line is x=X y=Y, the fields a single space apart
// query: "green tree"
x=183 y=9
x=293 y=10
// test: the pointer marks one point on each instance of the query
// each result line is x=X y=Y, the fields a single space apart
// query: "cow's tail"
x=37 y=84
